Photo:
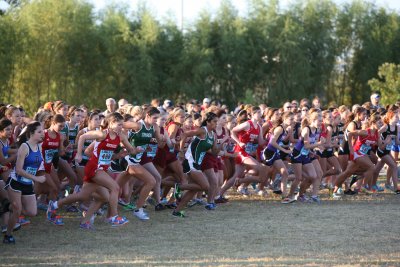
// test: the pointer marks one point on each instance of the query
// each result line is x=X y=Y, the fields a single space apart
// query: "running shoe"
x=340 y=191
x=365 y=191
x=180 y=214
x=354 y=179
x=210 y=206
x=177 y=192
x=56 y=220
x=8 y=239
x=378 y=188
x=349 y=192
x=288 y=200
x=303 y=199
x=50 y=209
x=140 y=214
x=244 y=191
x=71 y=208
x=122 y=202
x=171 y=206
x=221 y=200
x=91 y=218
x=315 y=199
x=164 y=201
x=129 y=207
x=397 y=192
x=336 y=196
x=86 y=226
x=389 y=187
x=17 y=226
x=23 y=221
x=117 y=221
x=159 y=207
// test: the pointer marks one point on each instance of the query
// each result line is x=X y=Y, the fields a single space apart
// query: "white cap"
x=206 y=100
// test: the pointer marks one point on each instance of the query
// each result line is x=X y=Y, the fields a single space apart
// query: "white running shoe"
x=141 y=214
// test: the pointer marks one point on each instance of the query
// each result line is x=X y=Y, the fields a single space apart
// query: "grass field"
x=355 y=231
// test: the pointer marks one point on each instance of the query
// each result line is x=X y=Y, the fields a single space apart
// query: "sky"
x=191 y=8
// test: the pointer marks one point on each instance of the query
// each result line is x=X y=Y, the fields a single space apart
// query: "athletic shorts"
x=91 y=168
x=268 y=157
x=345 y=149
x=396 y=148
x=382 y=153
x=145 y=159
x=209 y=162
x=297 y=157
x=327 y=153
x=24 y=189
x=164 y=157
x=189 y=166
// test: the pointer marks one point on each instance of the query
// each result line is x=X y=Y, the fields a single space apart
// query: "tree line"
x=51 y=49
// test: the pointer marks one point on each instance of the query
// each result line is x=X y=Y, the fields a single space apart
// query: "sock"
x=55 y=204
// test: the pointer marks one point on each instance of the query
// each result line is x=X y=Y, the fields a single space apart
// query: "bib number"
x=49 y=155
x=304 y=151
x=29 y=170
x=364 y=149
x=153 y=151
x=105 y=157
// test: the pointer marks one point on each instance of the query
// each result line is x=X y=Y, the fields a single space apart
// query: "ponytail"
x=209 y=117
x=27 y=132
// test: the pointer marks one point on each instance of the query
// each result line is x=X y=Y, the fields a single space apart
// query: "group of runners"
x=174 y=157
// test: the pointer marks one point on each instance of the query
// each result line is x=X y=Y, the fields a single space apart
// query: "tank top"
x=86 y=144
x=389 y=132
x=50 y=147
x=32 y=163
x=198 y=147
x=364 y=144
x=312 y=137
x=142 y=139
x=278 y=141
x=71 y=136
x=178 y=134
x=250 y=138
x=5 y=148
x=104 y=150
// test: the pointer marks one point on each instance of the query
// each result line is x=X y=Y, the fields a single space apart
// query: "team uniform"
x=5 y=149
x=33 y=163
x=271 y=153
x=142 y=139
x=71 y=135
x=50 y=149
x=250 y=139
x=101 y=157
x=164 y=155
x=301 y=154
x=196 y=152
x=386 y=151
x=344 y=148
x=363 y=145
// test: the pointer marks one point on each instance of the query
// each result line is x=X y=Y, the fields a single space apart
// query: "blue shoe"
x=378 y=188
x=86 y=226
x=56 y=220
x=23 y=221
x=210 y=206
x=117 y=221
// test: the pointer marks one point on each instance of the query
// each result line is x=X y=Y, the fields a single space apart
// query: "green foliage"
x=388 y=83
x=52 y=49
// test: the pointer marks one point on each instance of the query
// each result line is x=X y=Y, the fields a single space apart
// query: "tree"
x=388 y=82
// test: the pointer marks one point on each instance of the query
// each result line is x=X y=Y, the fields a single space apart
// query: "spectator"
x=375 y=98
x=111 y=106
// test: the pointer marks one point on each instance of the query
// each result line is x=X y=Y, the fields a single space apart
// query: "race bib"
x=201 y=157
x=153 y=151
x=389 y=146
x=105 y=157
x=304 y=151
x=364 y=149
x=49 y=155
x=29 y=170
x=250 y=148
